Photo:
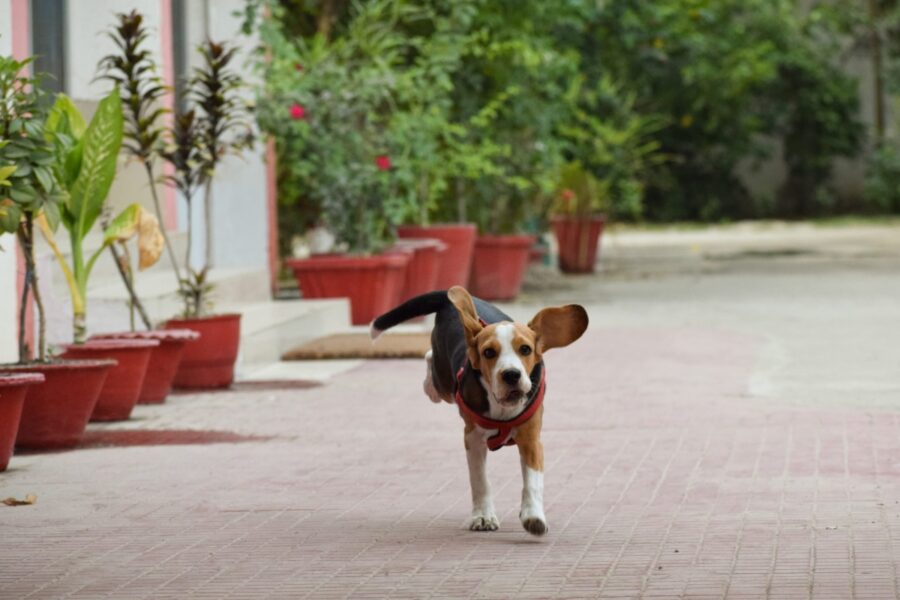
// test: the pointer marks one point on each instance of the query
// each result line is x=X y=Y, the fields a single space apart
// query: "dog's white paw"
x=534 y=522
x=484 y=522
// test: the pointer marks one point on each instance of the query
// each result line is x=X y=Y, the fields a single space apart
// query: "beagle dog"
x=492 y=368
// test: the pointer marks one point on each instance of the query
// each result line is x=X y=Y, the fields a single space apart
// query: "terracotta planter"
x=56 y=412
x=164 y=359
x=208 y=363
x=457 y=261
x=578 y=240
x=123 y=384
x=424 y=265
x=499 y=266
x=13 y=387
x=372 y=283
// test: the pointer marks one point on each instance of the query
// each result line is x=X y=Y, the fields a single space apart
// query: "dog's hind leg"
x=484 y=517
x=428 y=384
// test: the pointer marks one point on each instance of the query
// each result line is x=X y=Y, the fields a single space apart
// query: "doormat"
x=360 y=345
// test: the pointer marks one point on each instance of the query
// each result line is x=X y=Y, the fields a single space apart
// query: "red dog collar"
x=503 y=437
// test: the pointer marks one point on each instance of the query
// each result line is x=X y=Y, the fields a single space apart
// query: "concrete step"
x=269 y=329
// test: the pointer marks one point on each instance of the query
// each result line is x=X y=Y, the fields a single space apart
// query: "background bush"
x=479 y=103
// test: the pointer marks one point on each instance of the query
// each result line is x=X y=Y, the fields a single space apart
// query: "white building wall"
x=8 y=351
x=240 y=213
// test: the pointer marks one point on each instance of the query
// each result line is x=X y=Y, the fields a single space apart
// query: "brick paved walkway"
x=665 y=479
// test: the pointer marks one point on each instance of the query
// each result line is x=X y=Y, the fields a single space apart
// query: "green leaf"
x=5 y=173
x=124 y=225
x=101 y=143
x=64 y=117
x=10 y=215
x=51 y=212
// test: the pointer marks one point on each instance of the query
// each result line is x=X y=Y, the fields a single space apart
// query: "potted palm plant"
x=214 y=127
x=133 y=71
x=55 y=412
x=86 y=163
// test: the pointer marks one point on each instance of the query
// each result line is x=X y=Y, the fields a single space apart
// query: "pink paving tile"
x=664 y=480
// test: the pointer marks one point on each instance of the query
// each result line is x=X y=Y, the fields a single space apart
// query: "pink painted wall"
x=272 y=202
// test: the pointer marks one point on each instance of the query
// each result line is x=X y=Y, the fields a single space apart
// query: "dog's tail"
x=419 y=306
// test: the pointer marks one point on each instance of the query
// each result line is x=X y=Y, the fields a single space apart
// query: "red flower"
x=383 y=162
x=567 y=196
x=298 y=67
x=297 y=112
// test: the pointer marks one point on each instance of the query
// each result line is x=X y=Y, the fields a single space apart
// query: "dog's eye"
x=524 y=350
x=489 y=353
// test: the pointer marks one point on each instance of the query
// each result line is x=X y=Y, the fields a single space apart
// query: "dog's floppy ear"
x=467 y=313
x=559 y=326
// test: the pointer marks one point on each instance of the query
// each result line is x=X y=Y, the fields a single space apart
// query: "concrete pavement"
x=727 y=428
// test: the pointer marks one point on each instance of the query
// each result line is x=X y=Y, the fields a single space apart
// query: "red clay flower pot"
x=424 y=265
x=499 y=266
x=57 y=411
x=123 y=384
x=372 y=283
x=457 y=261
x=578 y=240
x=13 y=387
x=164 y=359
x=208 y=363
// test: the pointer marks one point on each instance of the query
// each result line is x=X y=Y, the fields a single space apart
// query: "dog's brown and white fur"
x=499 y=359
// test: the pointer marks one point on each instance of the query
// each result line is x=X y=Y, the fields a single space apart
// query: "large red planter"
x=208 y=363
x=499 y=266
x=56 y=412
x=373 y=284
x=123 y=384
x=578 y=240
x=424 y=265
x=164 y=359
x=13 y=387
x=457 y=260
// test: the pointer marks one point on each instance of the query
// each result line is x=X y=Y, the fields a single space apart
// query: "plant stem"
x=24 y=353
x=162 y=227
x=26 y=236
x=208 y=224
x=129 y=285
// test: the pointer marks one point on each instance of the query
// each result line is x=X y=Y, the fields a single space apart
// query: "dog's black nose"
x=512 y=376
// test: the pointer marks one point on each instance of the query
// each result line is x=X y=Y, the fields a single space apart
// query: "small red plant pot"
x=499 y=266
x=164 y=359
x=13 y=387
x=372 y=283
x=424 y=265
x=56 y=412
x=123 y=385
x=579 y=241
x=208 y=362
x=456 y=264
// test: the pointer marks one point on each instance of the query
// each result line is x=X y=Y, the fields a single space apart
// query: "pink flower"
x=297 y=112
x=383 y=162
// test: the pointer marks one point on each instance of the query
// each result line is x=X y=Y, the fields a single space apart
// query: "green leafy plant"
x=330 y=121
x=30 y=188
x=86 y=162
x=199 y=140
x=134 y=73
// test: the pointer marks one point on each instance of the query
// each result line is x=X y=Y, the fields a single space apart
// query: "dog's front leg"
x=484 y=518
x=531 y=454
